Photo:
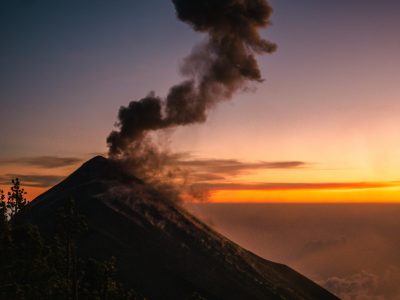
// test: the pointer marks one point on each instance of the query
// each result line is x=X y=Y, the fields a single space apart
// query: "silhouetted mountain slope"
x=164 y=252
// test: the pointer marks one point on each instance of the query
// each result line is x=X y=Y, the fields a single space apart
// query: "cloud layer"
x=204 y=171
x=284 y=186
x=353 y=250
x=32 y=180
x=47 y=162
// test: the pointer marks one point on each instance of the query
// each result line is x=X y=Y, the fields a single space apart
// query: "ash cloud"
x=214 y=71
x=195 y=177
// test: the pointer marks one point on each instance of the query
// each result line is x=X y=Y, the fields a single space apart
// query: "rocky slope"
x=164 y=252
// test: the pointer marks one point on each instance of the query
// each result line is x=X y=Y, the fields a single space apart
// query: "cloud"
x=271 y=186
x=365 y=285
x=233 y=166
x=359 y=286
x=352 y=250
x=200 y=177
x=218 y=169
x=43 y=161
x=33 y=180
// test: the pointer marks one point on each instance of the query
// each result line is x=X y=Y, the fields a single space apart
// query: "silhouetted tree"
x=30 y=270
x=23 y=258
x=16 y=198
x=5 y=285
x=3 y=211
x=196 y=296
x=100 y=282
x=34 y=268
x=4 y=226
x=69 y=228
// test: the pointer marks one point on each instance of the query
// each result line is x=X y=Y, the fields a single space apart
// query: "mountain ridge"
x=162 y=250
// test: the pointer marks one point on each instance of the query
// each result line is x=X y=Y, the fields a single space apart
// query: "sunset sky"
x=322 y=127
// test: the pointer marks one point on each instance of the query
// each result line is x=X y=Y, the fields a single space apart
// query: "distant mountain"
x=163 y=252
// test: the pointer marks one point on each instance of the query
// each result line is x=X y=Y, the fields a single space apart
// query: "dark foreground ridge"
x=163 y=252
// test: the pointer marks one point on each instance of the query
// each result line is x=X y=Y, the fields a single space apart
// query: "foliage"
x=3 y=211
x=16 y=202
x=100 y=281
x=32 y=267
x=196 y=296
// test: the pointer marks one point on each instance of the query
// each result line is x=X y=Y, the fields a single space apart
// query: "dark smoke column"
x=214 y=70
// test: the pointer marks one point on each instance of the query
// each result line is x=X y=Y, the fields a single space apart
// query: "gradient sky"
x=330 y=99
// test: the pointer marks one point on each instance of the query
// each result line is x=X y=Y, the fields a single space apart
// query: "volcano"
x=162 y=251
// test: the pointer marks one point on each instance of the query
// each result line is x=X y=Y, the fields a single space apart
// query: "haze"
x=329 y=99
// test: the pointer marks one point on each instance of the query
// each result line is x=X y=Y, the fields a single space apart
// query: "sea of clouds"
x=352 y=250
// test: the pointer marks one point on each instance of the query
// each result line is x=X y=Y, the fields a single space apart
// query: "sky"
x=322 y=127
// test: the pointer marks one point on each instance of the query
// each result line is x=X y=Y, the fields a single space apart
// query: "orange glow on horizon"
x=367 y=195
x=31 y=192
x=385 y=192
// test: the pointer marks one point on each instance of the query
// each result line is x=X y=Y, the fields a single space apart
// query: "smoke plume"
x=214 y=71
